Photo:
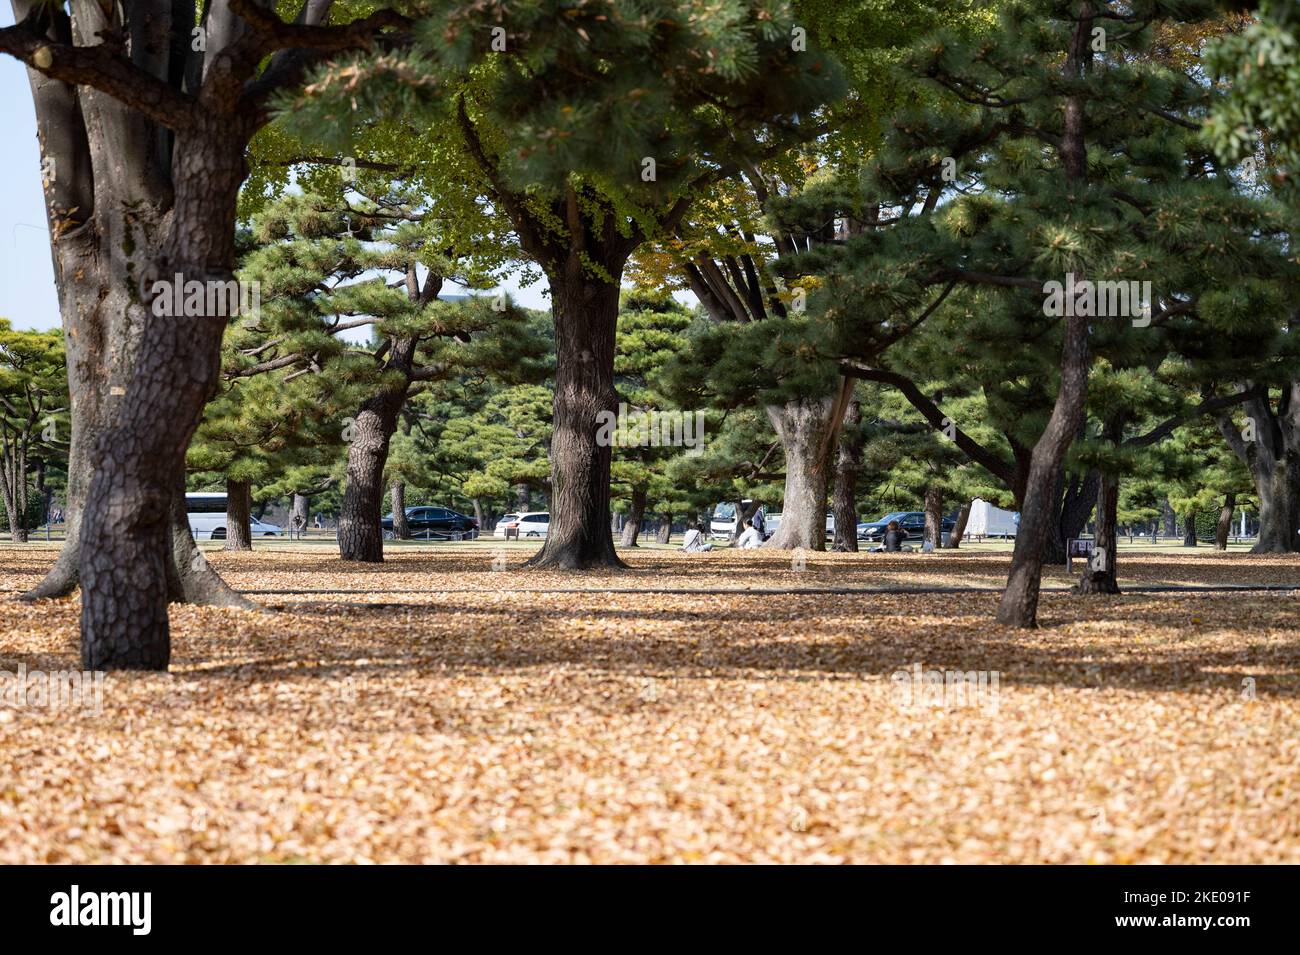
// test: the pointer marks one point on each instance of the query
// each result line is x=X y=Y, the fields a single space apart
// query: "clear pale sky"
x=27 y=294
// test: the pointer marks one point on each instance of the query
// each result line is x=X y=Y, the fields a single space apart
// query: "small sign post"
x=1077 y=547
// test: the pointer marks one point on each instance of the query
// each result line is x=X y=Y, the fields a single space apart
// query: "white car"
x=529 y=524
x=207 y=514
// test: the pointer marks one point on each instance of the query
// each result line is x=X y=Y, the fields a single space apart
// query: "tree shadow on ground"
x=1181 y=650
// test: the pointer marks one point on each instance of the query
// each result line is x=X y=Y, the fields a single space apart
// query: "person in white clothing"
x=750 y=538
x=694 y=540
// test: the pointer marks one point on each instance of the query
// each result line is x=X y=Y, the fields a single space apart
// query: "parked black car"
x=911 y=522
x=434 y=523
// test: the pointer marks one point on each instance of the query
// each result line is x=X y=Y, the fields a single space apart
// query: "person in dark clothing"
x=894 y=536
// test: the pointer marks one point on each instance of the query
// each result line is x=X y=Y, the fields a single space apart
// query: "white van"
x=207 y=514
x=723 y=519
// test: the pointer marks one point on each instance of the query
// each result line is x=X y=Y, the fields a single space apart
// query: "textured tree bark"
x=80 y=280
x=149 y=204
x=1019 y=604
x=1100 y=575
x=1224 y=526
x=1189 y=530
x=848 y=461
x=801 y=427
x=665 y=530
x=1279 y=506
x=17 y=532
x=300 y=510
x=127 y=553
x=586 y=317
x=478 y=512
x=934 y=516
x=397 y=496
x=190 y=579
x=959 y=528
x=1273 y=459
x=1170 y=519
x=360 y=533
x=1077 y=498
x=239 y=512
x=13 y=477
x=636 y=514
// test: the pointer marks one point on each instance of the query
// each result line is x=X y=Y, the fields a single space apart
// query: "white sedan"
x=531 y=524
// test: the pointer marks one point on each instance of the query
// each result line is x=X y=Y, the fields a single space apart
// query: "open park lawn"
x=432 y=709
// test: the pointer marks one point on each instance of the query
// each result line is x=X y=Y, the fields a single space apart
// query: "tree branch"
x=994 y=463
x=102 y=67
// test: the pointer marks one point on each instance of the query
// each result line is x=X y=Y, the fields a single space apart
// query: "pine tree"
x=1061 y=152
x=594 y=128
x=651 y=332
x=378 y=263
x=33 y=413
x=145 y=111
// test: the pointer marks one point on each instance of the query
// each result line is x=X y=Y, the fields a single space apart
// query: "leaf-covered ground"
x=454 y=713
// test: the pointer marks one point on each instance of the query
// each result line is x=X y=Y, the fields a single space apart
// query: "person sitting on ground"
x=894 y=536
x=750 y=538
x=694 y=540
x=758 y=524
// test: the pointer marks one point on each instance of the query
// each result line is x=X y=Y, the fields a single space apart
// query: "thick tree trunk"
x=635 y=515
x=959 y=528
x=1019 y=604
x=523 y=498
x=77 y=240
x=801 y=427
x=361 y=535
x=17 y=533
x=190 y=578
x=1279 y=506
x=586 y=318
x=1189 y=530
x=1224 y=526
x=665 y=530
x=1170 y=519
x=13 y=483
x=1273 y=459
x=479 y=516
x=126 y=546
x=300 y=511
x=848 y=461
x=934 y=516
x=397 y=496
x=1100 y=575
x=239 y=514
x=1078 y=497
